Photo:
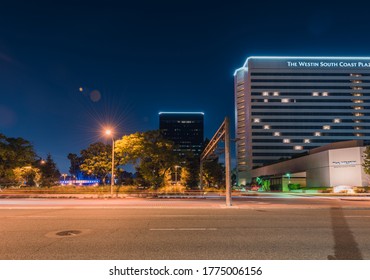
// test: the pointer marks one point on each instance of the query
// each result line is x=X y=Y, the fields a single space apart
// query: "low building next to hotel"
x=328 y=166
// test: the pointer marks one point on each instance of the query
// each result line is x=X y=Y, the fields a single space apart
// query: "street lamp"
x=64 y=177
x=176 y=167
x=110 y=133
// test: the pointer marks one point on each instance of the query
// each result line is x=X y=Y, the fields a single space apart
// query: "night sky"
x=69 y=68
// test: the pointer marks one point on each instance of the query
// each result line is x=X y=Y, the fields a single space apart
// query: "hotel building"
x=286 y=106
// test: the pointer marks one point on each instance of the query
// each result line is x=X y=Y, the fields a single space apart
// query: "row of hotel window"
x=352 y=81
x=347 y=93
x=310 y=74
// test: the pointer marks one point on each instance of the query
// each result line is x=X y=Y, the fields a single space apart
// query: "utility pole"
x=112 y=178
x=222 y=133
x=227 y=162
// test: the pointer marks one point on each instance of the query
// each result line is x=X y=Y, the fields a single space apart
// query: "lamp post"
x=176 y=167
x=109 y=133
x=64 y=177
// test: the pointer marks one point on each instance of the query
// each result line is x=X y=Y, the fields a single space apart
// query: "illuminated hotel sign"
x=307 y=63
x=326 y=64
x=345 y=163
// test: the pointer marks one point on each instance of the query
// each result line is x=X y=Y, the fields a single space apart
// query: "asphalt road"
x=283 y=228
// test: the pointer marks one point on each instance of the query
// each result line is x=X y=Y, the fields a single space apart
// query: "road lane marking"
x=181 y=229
x=27 y=217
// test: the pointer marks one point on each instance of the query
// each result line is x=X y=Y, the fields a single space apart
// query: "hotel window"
x=298 y=148
x=306 y=141
x=265 y=100
x=285 y=100
x=286 y=141
x=265 y=93
x=256 y=120
x=336 y=120
x=315 y=94
x=358 y=101
x=358 y=108
x=326 y=127
x=276 y=93
x=325 y=94
x=266 y=127
x=276 y=133
x=317 y=133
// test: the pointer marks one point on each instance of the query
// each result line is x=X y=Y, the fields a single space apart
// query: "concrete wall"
x=318 y=170
x=323 y=169
x=345 y=167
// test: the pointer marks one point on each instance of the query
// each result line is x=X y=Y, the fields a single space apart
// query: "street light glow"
x=108 y=132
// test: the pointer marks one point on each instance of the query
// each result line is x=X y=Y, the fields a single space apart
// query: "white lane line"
x=181 y=229
x=27 y=217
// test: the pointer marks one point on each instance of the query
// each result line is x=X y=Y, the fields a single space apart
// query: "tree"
x=97 y=160
x=190 y=171
x=366 y=164
x=213 y=173
x=14 y=152
x=27 y=175
x=124 y=177
x=150 y=152
x=76 y=162
x=49 y=171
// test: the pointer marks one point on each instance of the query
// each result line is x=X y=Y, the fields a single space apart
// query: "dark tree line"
x=20 y=165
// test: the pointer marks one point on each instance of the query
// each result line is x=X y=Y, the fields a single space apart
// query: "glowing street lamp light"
x=110 y=133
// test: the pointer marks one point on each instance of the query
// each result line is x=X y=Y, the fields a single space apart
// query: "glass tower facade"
x=184 y=129
x=285 y=106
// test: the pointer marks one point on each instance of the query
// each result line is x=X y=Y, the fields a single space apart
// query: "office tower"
x=185 y=129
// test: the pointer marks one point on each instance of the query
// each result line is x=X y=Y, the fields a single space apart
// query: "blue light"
x=198 y=113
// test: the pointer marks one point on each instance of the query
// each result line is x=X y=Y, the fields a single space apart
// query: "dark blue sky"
x=134 y=60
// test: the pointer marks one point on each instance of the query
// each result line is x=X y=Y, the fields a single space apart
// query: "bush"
x=294 y=187
x=172 y=189
x=360 y=189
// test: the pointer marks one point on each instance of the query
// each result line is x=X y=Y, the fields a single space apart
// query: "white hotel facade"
x=286 y=106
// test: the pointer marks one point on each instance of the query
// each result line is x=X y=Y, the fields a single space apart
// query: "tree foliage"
x=189 y=176
x=213 y=173
x=49 y=171
x=150 y=152
x=97 y=160
x=366 y=164
x=14 y=152
x=76 y=162
x=27 y=176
